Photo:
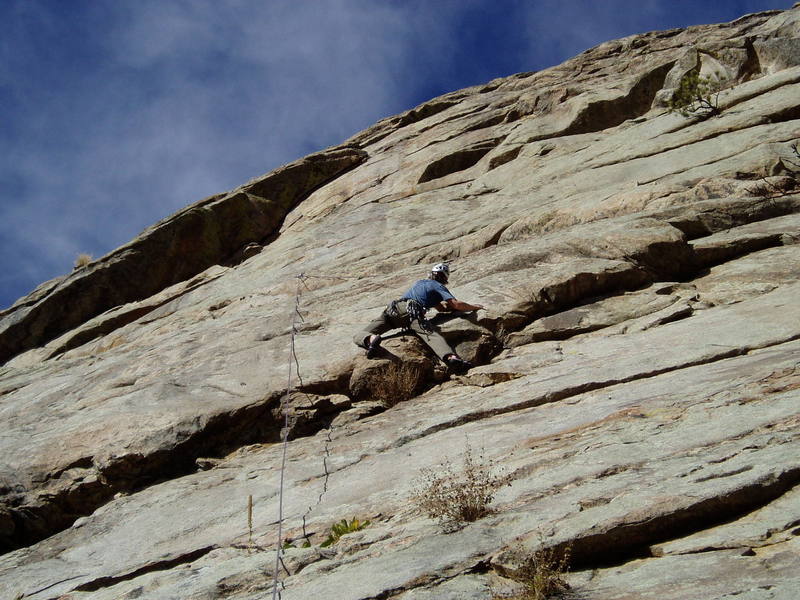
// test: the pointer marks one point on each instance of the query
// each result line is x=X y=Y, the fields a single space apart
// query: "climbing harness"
x=414 y=312
x=392 y=310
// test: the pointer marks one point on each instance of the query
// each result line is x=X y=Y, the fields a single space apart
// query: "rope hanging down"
x=296 y=315
x=285 y=433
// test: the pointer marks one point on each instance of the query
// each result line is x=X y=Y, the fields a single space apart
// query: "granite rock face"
x=637 y=388
x=212 y=231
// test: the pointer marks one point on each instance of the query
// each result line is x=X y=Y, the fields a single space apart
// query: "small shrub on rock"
x=83 y=260
x=457 y=496
x=541 y=575
x=396 y=383
x=696 y=96
x=341 y=528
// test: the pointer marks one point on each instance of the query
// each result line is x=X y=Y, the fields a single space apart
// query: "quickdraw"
x=417 y=312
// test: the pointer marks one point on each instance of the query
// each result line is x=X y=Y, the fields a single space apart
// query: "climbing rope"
x=285 y=433
x=292 y=368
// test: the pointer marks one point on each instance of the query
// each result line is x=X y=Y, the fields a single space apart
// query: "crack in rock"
x=161 y=565
x=632 y=540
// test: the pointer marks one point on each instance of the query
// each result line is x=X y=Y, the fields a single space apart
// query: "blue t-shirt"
x=428 y=293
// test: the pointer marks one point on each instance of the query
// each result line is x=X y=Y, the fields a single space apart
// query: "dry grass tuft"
x=541 y=575
x=250 y=519
x=457 y=496
x=397 y=383
x=83 y=260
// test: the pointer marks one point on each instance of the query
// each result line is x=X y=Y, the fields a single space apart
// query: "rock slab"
x=637 y=377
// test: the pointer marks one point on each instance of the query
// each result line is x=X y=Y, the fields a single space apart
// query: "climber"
x=408 y=312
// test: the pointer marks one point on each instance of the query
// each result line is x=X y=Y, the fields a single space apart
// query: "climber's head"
x=440 y=273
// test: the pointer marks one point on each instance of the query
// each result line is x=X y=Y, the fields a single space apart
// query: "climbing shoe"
x=457 y=365
x=374 y=347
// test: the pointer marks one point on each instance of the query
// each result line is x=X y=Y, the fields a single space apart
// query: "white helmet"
x=441 y=268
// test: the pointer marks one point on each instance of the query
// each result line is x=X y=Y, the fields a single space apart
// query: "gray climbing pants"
x=433 y=339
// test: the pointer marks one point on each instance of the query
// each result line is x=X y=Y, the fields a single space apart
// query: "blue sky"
x=117 y=113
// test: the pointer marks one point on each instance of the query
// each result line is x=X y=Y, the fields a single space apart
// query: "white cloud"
x=120 y=113
x=179 y=100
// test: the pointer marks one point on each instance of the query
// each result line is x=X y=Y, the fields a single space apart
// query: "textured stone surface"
x=206 y=233
x=637 y=382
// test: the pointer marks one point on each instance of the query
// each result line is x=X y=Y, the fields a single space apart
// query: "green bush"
x=696 y=96
x=342 y=528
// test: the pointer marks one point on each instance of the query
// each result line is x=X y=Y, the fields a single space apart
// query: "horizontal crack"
x=744 y=545
x=710 y=136
x=723 y=475
x=628 y=541
x=52 y=585
x=579 y=389
x=50 y=511
x=122 y=318
x=161 y=565
x=709 y=162
x=170 y=251
x=430 y=581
